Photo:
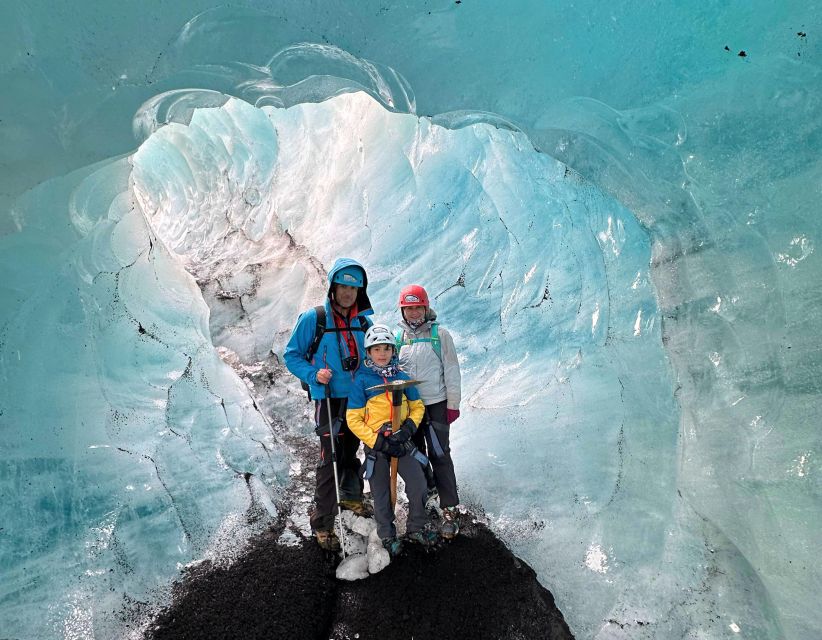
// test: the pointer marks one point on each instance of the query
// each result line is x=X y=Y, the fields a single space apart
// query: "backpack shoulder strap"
x=435 y=339
x=319 y=331
x=399 y=339
x=363 y=325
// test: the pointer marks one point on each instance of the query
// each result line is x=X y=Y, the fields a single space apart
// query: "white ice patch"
x=79 y=623
x=800 y=465
x=469 y=244
x=354 y=567
x=363 y=526
x=511 y=384
x=378 y=558
x=613 y=236
x=800 y=248
x=102 y=533
x=596 y=559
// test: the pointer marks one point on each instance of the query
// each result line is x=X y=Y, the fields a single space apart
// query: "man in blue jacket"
x=327 y=367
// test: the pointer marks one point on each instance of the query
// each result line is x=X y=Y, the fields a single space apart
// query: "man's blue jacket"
x=333 y=347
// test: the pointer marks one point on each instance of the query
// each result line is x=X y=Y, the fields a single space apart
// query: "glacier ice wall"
x=644 y=434
x=129 y=448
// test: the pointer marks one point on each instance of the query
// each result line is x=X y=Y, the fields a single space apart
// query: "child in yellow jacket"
x=369 y=418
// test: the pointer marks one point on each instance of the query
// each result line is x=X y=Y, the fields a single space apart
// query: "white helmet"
x=378 y=334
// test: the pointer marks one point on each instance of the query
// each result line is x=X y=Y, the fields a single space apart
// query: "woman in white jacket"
x=427 y=354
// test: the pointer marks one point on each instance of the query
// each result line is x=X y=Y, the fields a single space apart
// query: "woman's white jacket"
x=439 y=379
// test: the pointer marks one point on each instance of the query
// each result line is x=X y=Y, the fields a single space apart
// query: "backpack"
x=319 y=331
x=400 y=340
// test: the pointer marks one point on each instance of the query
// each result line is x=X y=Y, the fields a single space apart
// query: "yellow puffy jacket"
x=369 y=410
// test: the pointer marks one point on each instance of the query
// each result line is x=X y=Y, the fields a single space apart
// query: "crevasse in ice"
x=626 y=257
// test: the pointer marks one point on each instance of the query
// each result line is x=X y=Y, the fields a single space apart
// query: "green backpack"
x=400 y=339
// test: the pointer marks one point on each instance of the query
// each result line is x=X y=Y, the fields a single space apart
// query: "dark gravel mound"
x=273 y=591
x=472 y=587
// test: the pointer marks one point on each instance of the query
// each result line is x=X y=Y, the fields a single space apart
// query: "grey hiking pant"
x=444 y=478
x=411 y=472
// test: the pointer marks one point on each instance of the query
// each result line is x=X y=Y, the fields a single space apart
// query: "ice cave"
x=611 y=202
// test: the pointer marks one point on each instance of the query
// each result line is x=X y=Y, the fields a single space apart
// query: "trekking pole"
x=334 y=464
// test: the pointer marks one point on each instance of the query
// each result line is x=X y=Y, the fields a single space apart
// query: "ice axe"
x=396 y=387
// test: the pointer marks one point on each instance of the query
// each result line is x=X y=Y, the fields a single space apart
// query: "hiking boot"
x=358 y=507
x=327 y=540
x=432 y=499
x=392 y=545
x=450 y=524
x=425 y=538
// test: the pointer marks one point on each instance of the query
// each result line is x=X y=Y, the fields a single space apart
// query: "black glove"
x=404 y=434
x=381 y=444
x=406 y=431
x=393 y=449
x=399 y=450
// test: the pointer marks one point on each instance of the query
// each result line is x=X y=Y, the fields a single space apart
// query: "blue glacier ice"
x=612 y=206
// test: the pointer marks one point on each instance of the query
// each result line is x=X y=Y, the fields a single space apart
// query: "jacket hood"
x=363 y=303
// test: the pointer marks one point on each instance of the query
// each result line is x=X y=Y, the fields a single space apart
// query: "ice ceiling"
x=616 y=209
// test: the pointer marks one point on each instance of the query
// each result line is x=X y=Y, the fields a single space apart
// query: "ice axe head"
x=396 y=387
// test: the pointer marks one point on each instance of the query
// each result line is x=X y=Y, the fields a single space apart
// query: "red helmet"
x=413 y=296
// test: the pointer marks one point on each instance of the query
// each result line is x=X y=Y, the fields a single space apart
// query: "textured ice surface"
x=545 y=277
x=128 y=447
x=639 y=325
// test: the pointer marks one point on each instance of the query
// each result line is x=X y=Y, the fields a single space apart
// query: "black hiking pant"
x=441 y=472
x=348 y=465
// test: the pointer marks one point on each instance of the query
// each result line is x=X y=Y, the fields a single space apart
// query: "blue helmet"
x=351 y=275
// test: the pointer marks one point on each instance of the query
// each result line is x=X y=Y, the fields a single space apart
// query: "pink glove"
x=451 y=415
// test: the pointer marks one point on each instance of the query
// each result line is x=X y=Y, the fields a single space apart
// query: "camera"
x=350 y=363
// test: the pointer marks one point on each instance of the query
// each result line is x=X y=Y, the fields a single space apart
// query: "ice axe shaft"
x=396 y=387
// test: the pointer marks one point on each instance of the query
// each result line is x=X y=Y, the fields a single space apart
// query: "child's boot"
x=425 y=538
x=432 y=499
x=449 y=525
x=392 y=545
